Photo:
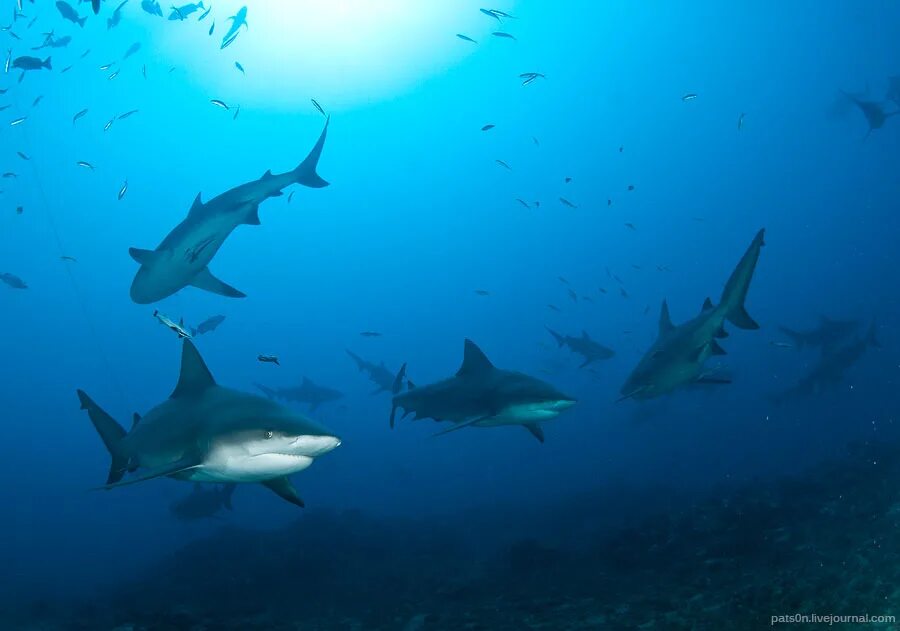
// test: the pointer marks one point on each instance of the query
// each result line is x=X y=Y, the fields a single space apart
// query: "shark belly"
x=231 y=465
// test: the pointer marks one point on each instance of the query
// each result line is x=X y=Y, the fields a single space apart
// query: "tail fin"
x=269 y=392
x=395 y=390
x=796 y=337
x=46 y=64
x=111 y=433
x=227 y=492
x=305 y=173
x=81 y=21
x=735 y=291
x=560 y=340
x=871 y=340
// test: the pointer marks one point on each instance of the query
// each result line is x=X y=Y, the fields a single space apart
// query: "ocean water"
x=637 y=166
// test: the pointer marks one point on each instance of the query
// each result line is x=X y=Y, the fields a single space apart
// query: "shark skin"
x=481 y=395
x=307 y=392
x=182 y=258
x=677 y=357
x=827 y=335
x=378 y=373
x=205 y=432
x=590 y=350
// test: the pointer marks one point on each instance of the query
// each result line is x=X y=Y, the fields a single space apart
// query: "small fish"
x=690 y=96
x=219 y=103
x=630 y=226
x=466 y=38
x=563 y=280
x=623 y=292
x=631 y=187
x=572 y=294
x=169 y=323
x=523 y=202
x=236 y=112
x=482 y=292
x=109 y=123
x=228 y=42
x=127 y=114
x=131 y=50
x=239 y=67
x=496 y=14
x=122 y=191
x=537 y=143
x=19 y=210
x=608 y=202
x=553 y=308
x=106 y=67
x=70 y=14
x=602 y=290
x=290 y=197
x=741 y=121
x=37 y=100
x=212 y=27
x=268 y=359
x=4 y=107
x=7 y=64
x=531 y=77
x=70 y=259
x=18 y=121
x=566 y=202
x=503 y=164
x=318 y=107
x=9 y=175
x=13 y=281
x=781 y=345
x=113 y=21
x=65 y=70
x=621 y=148
x=113 y=75
x=144 y=70
x=568 y=179
x=487 y=127
x=370 y=334
x=85 y=53
x=537 y=204
x=22 y=155
x=80 y=114
x=504 y=35
x=86 y=165
x=205 y=13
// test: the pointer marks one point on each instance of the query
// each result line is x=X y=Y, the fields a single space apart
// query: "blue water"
x=418 y=217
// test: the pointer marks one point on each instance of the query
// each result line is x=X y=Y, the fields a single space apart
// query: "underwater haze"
x=438 y=315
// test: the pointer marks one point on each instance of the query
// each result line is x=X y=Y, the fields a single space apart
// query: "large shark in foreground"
x=207 y=433
x=183 y=256
x=677 y=357
x=586 y=347
x=481 y=395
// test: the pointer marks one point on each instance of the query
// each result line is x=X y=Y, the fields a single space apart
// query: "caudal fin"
x=738 y=283
x=559 y=338
x=395 y=390
x=305 y=173
x=111 y=433
x=46 y=64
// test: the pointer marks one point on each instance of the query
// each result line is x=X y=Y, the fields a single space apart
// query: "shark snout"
x=314 y=446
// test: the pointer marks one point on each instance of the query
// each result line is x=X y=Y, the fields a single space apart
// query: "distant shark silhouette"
x=677 y=357
x=828 y=334
x=480 y=395
x=378 y=373
x=829 y=370
x=872 y=111
x=590 y=350
x=306 y=392
x=207 y=433
x=893 y=93
x=203 y=503
x=183 y=256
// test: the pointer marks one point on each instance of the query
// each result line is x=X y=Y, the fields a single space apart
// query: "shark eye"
x=268 y=434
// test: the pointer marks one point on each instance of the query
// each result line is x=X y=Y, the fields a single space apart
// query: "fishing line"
x=79 y=293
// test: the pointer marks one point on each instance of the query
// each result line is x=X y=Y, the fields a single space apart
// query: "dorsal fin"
x=266 y=175
x=197 y=205
x=707 y=305
x=195 y=376
x=475 y=362
x=585 y=335
x=665 y=320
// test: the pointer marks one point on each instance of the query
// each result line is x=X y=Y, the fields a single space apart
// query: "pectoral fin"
x=206 y=281
x=463 y=424
x=713 y=380
x=283 y=488
x=184 y=464
x=536 y=431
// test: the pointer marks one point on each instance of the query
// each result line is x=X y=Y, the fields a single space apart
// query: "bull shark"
x=827 y=335
x=183 y=256
x=830 y=368
x=481 y=395
x=203 y=503
x=205 y=432
x=378 y=373
x=586 y=347
x=676 y=358
x=306 y=392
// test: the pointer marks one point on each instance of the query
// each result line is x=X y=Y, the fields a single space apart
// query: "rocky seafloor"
x=824 y=542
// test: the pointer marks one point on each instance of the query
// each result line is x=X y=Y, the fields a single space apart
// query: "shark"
x=873 y=112
x=203 y=503
x=378 y=373
x=482 y=395
x=827 y=335
x=182 y=258
x=678 y=355
x=893 y=92
x=307 y=392
x=205 y=432
x=831 y=366
x=586 y=347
